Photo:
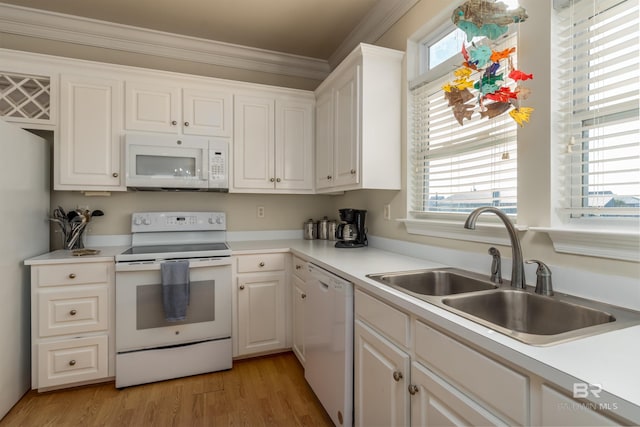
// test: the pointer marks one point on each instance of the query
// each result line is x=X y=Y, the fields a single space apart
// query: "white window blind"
x=600 y=91
x=458 y=168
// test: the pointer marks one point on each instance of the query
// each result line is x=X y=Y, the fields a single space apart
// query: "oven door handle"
x=155 y=265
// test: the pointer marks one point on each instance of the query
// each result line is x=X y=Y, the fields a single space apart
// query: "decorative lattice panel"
x=25 y=97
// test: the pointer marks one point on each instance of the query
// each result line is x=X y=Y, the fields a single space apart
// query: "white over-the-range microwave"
x=174 y=163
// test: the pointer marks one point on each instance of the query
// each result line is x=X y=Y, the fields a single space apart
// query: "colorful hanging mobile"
x=495 y=75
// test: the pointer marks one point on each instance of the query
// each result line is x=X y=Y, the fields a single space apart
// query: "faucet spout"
x=517 y=268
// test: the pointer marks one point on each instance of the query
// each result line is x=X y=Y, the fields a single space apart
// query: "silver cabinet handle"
x=174 y=122
x=73 y=312
x=72 y=275
x=72 y=362
x=272 y=179
x=353 y=171
x=413 y=389
x=115 y=174
x=278 y=180
x=261 y=264
x=186 y=124
x=329 y=177
x=241 y=287
x=397 y=376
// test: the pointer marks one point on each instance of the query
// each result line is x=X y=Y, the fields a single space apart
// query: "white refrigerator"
x=24 y=213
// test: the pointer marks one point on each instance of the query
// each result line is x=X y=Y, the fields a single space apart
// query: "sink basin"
x=520 y=314
x=529 y=313
x=447 y=281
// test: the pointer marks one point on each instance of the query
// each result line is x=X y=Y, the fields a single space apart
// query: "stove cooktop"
x=175 y=251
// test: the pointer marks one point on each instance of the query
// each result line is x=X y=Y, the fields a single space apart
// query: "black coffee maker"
x=351 y=233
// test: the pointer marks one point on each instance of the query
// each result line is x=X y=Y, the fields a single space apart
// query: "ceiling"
x=310 y=28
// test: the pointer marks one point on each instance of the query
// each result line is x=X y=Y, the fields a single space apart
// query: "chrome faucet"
x=496 y=266
x=517 y=267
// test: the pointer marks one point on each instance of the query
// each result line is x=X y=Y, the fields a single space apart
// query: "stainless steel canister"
x=332 y=225
x=309 y=230
x=323 y=228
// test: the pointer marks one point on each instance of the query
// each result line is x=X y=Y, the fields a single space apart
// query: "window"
x=600 y=144
x=454 y=168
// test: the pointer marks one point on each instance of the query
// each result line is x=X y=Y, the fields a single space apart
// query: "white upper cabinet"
x=162 y=107
x=87 y=154
x=358 y=122
x=273 y=143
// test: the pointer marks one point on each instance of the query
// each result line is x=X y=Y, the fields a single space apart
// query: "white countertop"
x=610 y=359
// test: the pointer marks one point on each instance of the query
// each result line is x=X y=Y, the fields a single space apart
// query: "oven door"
x=140 y=319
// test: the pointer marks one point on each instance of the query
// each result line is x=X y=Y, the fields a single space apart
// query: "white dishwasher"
x=328 y=332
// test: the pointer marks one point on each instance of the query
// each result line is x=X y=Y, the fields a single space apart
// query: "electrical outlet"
x=387 y=212
x=260 y=212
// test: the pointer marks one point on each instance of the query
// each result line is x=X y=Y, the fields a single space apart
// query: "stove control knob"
x=137 y=220
x=146 y=221
x=219 y=220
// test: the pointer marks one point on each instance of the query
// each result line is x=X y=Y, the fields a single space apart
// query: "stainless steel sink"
x=521 y=314
x=529 y=313
x=446 y=281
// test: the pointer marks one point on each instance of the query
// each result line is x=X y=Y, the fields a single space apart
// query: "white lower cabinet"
x=408 y=372
x=557 y=409
x=298 y=302
x=261 y=303
x=434 y=402
x=381 y=377
x=72 y=323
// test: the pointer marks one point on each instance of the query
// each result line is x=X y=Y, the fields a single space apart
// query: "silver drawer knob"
x=72 y=362
x=353 y=171
x=73 y=312
x=329 y=177
x=303 y=296
x=298 y=267
x=261 y=264
x=397 y=376
x=241 y=287
x=72 y=275
x=173 y=122
x=186 y=124
x=115 y=174
x=413 y=389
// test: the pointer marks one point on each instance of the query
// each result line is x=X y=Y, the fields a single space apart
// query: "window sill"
x=494 y=233
x=618 y=245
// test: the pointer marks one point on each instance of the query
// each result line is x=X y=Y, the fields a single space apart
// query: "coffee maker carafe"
x=351 y=233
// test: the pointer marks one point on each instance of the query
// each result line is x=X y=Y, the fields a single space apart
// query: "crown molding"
x=377 y=22
x=84 y=31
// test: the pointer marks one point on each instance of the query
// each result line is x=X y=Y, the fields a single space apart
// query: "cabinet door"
x=561 y=410
x=324 y=141
x=254 y=143
x=152 y=107
x=261 y=313
x=299 y=298
x=89 y=153
x=381 y=378
x=294 y=145
x=435 y=402
x=346 y=116
x=207 y=112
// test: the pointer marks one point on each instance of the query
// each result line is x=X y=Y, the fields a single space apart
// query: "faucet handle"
x=543 y=278
x=496 y=266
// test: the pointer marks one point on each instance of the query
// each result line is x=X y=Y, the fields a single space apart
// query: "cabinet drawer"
x=65 y=362
x=72 y=274
x=392 y=323
x=502 y=388
x=298 y=266
x=260 y=263
x=69 y=311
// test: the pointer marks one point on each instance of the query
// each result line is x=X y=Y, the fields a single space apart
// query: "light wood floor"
x=265 y=391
